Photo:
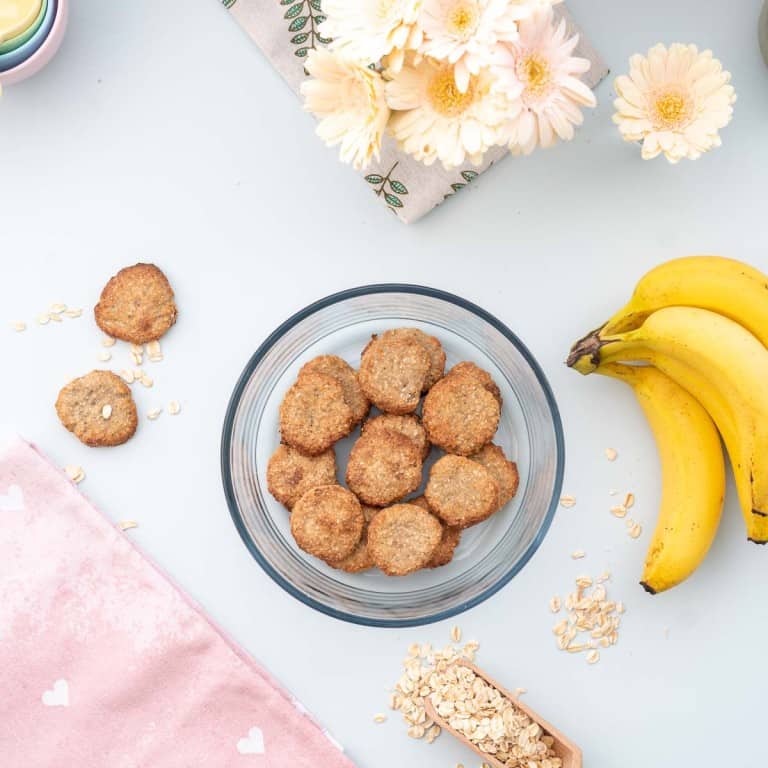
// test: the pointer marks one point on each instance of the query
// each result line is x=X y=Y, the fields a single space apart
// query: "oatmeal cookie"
x=98 y=409
x=461 y=492
x=360 y=559
x=460 y=414
x=403 y=538
x=136 y=305
x=448 y=543
x=409 y=425
x=314 y=414
x=327 y=522
x=290 y=473
x=503 y=470
x=431 y=346
x=342 y=371
x=383 y=466
x=393 y=372
x=481 y=375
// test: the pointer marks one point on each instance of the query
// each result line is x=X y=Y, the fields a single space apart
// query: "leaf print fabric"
x=286 y=30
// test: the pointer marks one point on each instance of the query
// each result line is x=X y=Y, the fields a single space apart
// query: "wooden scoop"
x=565 y=749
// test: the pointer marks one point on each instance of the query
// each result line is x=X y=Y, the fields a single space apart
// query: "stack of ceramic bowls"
x=30 y=34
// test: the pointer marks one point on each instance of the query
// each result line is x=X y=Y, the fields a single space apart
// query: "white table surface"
x=160 y=133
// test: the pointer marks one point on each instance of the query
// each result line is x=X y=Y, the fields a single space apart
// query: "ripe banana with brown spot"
x=725 y=368
x=692 y=470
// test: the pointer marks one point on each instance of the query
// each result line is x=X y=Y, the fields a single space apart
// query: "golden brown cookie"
x=383 y=466
x=290 y=473
x=360 y=559
x=460 y=414
x=327 y=522
x=136 y=305
x=342 y=371
x=461 y=492
x=481 y=375
x=448 y=543
x=408 y=425
x=403 y=538
x=314 y=414
x=392 y=373
x=432 y=347
x=504 y=471
x=98 y=409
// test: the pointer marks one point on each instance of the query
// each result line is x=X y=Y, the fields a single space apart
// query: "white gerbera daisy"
x=540 y=64
x=674 y=101
x=435 y=120
x=465 y=33
x=367 y=30
x=349 y=99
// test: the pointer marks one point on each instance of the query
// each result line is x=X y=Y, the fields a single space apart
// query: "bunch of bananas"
x=698 y=326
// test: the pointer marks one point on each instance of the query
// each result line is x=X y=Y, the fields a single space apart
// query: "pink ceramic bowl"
x=44 y=53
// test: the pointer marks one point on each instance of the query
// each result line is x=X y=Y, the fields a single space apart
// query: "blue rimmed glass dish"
x=490 y=554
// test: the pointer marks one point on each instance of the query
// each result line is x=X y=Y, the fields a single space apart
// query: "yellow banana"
x=726 y=286
x=693 y=475
x=725 y=368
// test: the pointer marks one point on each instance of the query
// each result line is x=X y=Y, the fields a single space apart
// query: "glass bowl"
x=490 y=554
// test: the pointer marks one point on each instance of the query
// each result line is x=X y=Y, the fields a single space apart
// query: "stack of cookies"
x=374 y=522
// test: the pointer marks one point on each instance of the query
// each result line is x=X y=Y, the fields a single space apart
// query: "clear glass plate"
x=530 y=433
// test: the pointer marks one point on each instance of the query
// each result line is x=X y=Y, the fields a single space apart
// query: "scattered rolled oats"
x=518 y=692
x=379 y=718
x=106 y=411
x=127 y=376
x=604 y=576
x=456 y=634
x=174 y=407
x=153 y=414
x=593 y=657
x=19 y=326
x=73 y=313
x=58 y=308
x=105 y=355
x=636 y=530
x=629 y=500
x=611 y=454
x=613 y=492
x=578 y=554
x=619 y=511
x=555 y=604
x=567 y=501
x=153 y=351
x=126 y=525
x=147 y=381
x=107 y=341
x=74 y=473
x=472 y=707
x=56 y=318
x=43 y=318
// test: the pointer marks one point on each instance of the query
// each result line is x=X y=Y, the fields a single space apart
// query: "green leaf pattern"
x=467 y=177
x=390 y=188
x=228 y=3
x=304 y=17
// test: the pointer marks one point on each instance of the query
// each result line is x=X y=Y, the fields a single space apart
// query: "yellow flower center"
x=462 y=20
x=671 y=108
x=445 y=97
x=534 y=71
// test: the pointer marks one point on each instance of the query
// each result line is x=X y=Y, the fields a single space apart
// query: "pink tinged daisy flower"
x=674 y=101
x=465 y=33
x=540 y=65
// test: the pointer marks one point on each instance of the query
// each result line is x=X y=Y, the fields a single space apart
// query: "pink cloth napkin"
x=104 y=663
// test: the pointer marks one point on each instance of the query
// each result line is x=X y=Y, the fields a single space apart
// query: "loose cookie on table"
x=384 y=466
x=403 y=538
x=342 y=371
x=360 y=559
x=392 y=373
x=327 y=522
x=314 y=414
x=503 y=470
x=432 y=347
x=448 y=543
x=460 y=414
x=290 y=473
x=98 y=409
x=461 y=492
x=408 y=425
x=136 y=305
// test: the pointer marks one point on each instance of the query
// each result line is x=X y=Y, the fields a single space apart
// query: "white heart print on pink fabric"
x=12 y=500
x=58 y=696
x=253 y=743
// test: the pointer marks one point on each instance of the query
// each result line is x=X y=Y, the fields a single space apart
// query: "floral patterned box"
x=286 y=30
